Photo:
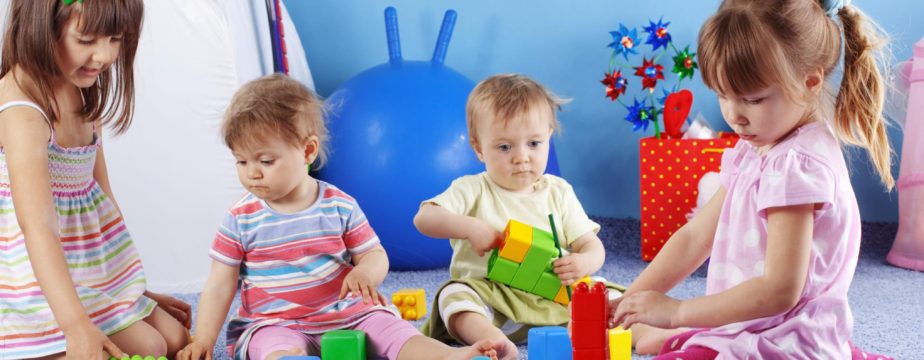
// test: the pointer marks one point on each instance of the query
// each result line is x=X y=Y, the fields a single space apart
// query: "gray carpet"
x=887 y=302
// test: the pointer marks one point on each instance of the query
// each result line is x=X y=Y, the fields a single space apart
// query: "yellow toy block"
x=620 y=344
x=586 y=279
x=412 y=303
x=562 y=297
x=518 y=237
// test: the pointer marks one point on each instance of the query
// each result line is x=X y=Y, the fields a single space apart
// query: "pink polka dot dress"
x=805 y=168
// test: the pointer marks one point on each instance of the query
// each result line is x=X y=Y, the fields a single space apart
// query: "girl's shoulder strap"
x=23 y=103
x=33 y=105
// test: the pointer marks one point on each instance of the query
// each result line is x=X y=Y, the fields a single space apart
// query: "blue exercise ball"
x=398 y=137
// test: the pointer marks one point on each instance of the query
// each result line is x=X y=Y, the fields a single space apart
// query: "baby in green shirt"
x=511 y=119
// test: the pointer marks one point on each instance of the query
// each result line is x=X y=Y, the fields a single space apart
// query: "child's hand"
x=86 y=341
x=483 y=237
x=359 y=282
x=175 y=307
x=646 y=307
x=195 y=351
x=571 y=268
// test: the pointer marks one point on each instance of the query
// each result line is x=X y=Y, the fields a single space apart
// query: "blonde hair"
x=31 y=42
x=275 y=107
x=506 y=96
x=750 y=45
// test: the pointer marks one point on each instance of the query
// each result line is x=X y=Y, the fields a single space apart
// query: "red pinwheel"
x=650 y=73
x=615 y=84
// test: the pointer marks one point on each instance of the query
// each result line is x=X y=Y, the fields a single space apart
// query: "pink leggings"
x=385 y=336
x=672 y=350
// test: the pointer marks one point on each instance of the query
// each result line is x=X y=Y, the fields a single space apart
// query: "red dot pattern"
x=669 y=171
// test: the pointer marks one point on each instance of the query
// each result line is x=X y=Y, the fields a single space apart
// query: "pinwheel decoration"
x=615 y=84
x=674 y=105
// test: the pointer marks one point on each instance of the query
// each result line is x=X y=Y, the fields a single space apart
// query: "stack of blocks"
x=589 y=335
x=588 y=322
x=412 y=303
x=524 y=261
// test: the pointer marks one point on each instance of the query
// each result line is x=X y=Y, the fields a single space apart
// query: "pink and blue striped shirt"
x=292 y=266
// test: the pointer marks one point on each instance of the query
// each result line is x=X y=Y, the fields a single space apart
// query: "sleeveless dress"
x=101 y=257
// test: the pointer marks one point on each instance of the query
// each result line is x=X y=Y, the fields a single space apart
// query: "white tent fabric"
x=171 y=174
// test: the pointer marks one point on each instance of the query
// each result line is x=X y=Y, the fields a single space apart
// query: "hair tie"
x=831 y=7
x=68 y=2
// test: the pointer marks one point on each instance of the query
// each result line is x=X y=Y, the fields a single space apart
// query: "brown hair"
x=275 y=107
x=506 y=96
x=31 y=43
x=750 y=45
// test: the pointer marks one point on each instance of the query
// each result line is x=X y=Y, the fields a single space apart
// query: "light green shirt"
x=478 y=196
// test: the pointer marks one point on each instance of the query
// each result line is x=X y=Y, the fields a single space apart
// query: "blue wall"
x=562 y=45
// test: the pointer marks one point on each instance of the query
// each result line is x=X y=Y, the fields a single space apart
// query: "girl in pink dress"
x=783 y=232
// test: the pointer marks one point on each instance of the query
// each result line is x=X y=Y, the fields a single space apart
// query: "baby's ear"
x=312 y=147
x=477 y=148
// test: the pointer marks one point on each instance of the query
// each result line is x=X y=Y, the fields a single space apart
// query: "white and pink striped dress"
x=103 y=261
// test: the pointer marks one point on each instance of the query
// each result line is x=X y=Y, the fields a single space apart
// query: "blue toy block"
x=481 y=358
x=549 y=343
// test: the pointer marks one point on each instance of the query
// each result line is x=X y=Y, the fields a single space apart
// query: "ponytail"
x=858 y=118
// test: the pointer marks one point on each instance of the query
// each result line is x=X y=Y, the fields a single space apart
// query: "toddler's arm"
x=777 y=290
x=436 y=222
x=586 y=258
x=213 y=308
x=367 y=274
x=684 y=252
x=789 y=243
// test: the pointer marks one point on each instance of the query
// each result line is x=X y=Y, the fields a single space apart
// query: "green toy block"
x=547 y=286
x=537 y=261
x=544 y=239
x=500 y=269
x=343 y=345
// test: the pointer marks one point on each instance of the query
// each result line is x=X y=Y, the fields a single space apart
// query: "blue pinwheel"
x=658 y=36
x=624 y=41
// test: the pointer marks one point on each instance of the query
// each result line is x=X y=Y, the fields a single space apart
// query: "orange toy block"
x=518 y=237
x=411 y=302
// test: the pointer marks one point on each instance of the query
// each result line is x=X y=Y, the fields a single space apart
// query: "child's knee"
x=456 y=299
x=175 y=341
x=463 y=318
x=152 y=346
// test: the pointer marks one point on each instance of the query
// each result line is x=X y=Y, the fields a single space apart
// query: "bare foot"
x=502 y=349
x=291 y=352
x=648 y=340
x=481 y=348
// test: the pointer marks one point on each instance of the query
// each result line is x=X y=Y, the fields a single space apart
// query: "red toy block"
x=589 y=304
x=588 y=334
x=588 y=321
x=589 y=354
